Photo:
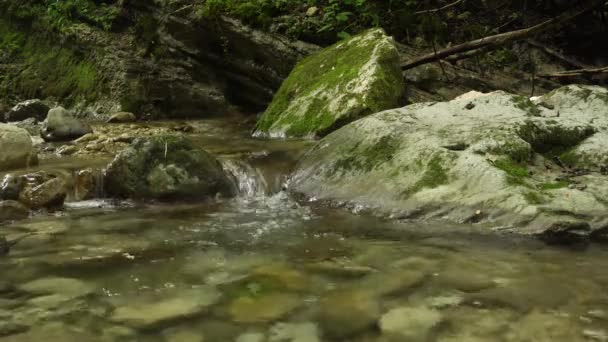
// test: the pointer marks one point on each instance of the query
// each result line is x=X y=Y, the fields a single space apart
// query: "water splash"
x=248 y=180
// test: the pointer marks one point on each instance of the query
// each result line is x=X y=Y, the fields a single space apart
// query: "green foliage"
x=60 y=15
x=50 y=71
x=337 y=19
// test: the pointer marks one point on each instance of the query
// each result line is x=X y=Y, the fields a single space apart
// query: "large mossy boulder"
x=495 y=158
x=16 y=148
x=342 y=83
x=167 y=168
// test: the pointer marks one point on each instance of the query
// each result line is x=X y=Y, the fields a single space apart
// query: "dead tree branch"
x=435 y=10
x=498 y=40
x=577 y=72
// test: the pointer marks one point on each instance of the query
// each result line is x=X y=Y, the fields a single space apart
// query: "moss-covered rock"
x=476 y=158
x=166 y=167
x=354 y=78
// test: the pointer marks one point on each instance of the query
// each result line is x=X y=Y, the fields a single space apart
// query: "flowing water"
x=264 y=267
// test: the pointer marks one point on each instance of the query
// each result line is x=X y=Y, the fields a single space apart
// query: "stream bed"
x=265 y=267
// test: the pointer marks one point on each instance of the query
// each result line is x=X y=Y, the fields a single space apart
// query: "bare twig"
x=578 y=72
x=435 y=10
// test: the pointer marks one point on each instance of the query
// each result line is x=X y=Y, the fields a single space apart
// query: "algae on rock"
x=342 y=83
x=477 y=158
x=166 y=167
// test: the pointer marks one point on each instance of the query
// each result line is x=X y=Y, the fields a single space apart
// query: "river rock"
x=294 y=332
x=69 y=287
x=165 y=167
x=28 y=109
x=493 y=158
x=154 y=314
x=47 y=193
x=264 y=308
x=122 y=117
x=409 y=323
x=16 y=148
x=12 y=210
x=31 y=125
x=61 y=125
x=349 y=80
x=343 y=313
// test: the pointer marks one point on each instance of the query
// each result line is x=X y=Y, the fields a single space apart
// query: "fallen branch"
x=435 y=10
x=498 y=40
x=578 y=72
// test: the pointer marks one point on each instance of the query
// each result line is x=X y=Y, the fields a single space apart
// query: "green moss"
x=369 y=158
x=549 y=136
x=513 y=147
x=533 y=198
x=49 y=70
x=555 y=185
x=516 y=172
x=435 y=174
x=301 y=107
x=526 y=105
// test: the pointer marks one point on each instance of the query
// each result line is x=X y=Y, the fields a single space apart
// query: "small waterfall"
x=87 y=184
x=249 y=180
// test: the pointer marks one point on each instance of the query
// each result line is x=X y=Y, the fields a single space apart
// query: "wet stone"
x=265 y=308
x=179 y=335
x=393 y=282
x=12 y=210
x=344 y=313
x=251 y=337
x=68 y=287
x=409 y=323
x=11 y=328
x=340 y=269
x=294 y=332
x=524 y=295
x=464 y=280
x=154 y=314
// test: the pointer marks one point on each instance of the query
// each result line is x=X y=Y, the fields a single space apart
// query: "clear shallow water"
x=263 y=267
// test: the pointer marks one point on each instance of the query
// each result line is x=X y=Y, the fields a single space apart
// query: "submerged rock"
x=61 y=125
x=16 y=148
x=154 y=314
x=28 y=109
x=294 y=332
x=347 y=312
x=166 y=167
x=265 y=308
x=69 y=287
x=409 y=323
x=12 y=210
x=484 y=158
x=354 y=78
